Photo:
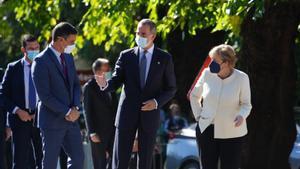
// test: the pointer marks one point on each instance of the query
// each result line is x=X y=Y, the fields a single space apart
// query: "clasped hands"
x=24 y=115
x=73 y=115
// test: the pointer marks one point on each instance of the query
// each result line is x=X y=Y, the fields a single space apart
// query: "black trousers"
x=211 y=150
x=99 y=155
x=2 y=152
x=123 y=144
x=63 y=159
x=25 y=138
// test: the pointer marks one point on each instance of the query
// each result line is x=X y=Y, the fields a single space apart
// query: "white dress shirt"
x=220 y=101
x=56 y=53
x=148 y=57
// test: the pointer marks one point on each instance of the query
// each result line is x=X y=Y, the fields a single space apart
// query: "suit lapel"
x=20 y=72
x=53 y=58
x=137 y=66
x=69 y=68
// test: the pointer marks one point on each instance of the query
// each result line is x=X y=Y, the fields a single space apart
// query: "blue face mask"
x=31 y=54
x=214 y=67
x=141 y=41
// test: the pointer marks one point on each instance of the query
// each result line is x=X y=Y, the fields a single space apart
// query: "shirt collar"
x=25 y=62
x=54 y=50
x=150 y=50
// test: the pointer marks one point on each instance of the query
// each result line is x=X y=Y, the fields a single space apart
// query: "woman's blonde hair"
x=226 y=53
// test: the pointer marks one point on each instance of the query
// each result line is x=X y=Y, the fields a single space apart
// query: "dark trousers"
x=71 y=141
x=2 y=152
x=63 y=159
x=26 y=141
x=99 y=155
x=228 y=151
x=123 y=148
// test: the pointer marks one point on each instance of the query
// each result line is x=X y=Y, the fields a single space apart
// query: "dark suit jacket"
x=160 y=85
x=100 y=110
x=56 y=93
x=14 y=90
x=2 y=112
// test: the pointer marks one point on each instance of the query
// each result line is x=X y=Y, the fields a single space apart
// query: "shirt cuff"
x=156 y=104
x=15 y=110
x=92 y=134
x=68 y=112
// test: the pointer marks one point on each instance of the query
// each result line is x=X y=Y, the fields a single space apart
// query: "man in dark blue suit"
x=59 y=91
x=148 y=77
x=20 y=101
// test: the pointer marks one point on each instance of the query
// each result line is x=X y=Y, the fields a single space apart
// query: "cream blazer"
x=219 y=101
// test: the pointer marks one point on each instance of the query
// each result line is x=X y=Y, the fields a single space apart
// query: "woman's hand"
x=238 y=121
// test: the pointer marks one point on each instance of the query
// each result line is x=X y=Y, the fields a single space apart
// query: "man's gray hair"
x=150 y=23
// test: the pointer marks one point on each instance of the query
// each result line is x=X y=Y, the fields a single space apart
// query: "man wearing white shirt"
x=147 y=75
x=58 y=88
x=20 y=100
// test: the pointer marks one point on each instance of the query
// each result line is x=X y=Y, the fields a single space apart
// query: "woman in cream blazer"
x=221 y=102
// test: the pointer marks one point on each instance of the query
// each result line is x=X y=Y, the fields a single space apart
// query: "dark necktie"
x=143 y=69
x=64 y=67
x=31 y=92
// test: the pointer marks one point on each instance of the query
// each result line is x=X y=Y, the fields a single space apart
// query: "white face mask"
x=69 y=48
x=141 y=41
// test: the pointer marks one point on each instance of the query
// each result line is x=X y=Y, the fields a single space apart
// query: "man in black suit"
x=20 y=101
x=147 y=74
x=2 y=125
x=100 y=111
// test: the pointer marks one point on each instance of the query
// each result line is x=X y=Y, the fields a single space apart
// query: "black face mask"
x=214 y=67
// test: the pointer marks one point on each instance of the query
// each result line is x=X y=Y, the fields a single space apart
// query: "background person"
x=20 y=100
x=100 y=113
x=175 y=122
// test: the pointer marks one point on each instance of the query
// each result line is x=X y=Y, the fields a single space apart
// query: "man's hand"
x=8 y=133
x=73 y=115
x=95 y=138
x=23 y=115
x=238 y=121
x=101 y=80
x=149 y=105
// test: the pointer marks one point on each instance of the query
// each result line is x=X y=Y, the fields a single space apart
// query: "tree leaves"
x=110 y=22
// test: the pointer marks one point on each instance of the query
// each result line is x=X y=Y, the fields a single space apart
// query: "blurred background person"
x=100 y=112
x=20 y=101
x=175 y=122
x=221 y=102
x=2 y=125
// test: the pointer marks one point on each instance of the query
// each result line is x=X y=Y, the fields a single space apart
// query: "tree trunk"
x=267 y=54
x=189 y=52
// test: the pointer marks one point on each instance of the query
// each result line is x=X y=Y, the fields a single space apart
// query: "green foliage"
x=110 y=22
